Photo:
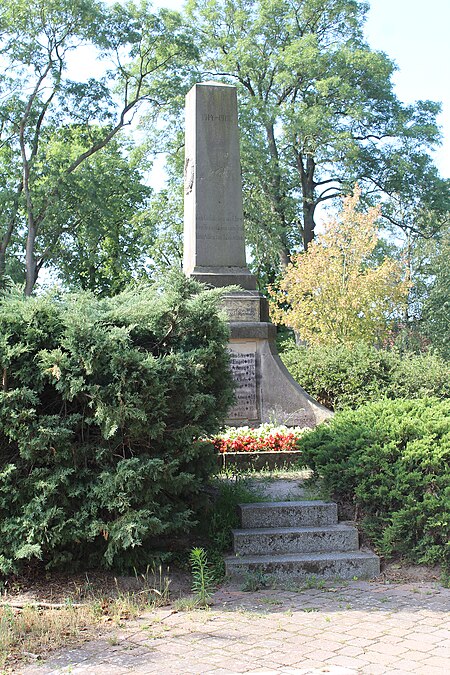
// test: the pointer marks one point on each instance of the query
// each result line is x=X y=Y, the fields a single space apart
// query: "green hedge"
x=391 y=460
x=342 y=377
x=101 y=406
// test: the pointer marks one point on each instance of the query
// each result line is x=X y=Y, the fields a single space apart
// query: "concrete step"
x=260 y=541
x=359 y=564
x=288 y=514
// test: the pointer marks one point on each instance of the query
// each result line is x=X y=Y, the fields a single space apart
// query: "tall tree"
x=318 y=111
x=145 y=52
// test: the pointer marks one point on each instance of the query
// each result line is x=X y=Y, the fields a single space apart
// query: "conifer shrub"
x=347 y=377
x=101 y=407
x=391 y=461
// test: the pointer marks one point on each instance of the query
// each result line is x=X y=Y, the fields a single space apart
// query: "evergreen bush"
x=101 y=407
x=391 y=461
x=343 y=377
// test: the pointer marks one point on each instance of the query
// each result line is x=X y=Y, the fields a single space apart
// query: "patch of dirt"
x=59 y=587
x=401 y=572
x=287 y=487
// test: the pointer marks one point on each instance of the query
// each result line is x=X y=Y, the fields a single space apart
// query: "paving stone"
x=351 y=651
x=415 y=656
x=439 y=662
x=375 y=669
x=416 y=645
x=237 y=637
x=389 y=648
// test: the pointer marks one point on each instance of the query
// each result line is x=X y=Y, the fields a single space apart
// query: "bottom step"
x=328 y=565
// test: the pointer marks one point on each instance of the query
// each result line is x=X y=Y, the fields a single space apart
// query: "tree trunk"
x=277 y=195
x=308 y=222
x=3 y=246
x=306 y=167
x=30 y=260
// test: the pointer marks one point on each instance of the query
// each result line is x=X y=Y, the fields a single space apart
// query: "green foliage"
x=144 y=56
x=255 y=580
x=436 y=311
x=317 y=113
x=202 y=578
x=336 y=292
x=99 y=214
x=101 y=407
x=347 y=377
x=224 y=516
x=391 y=459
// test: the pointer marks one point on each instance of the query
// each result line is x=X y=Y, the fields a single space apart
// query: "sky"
x=415 y=35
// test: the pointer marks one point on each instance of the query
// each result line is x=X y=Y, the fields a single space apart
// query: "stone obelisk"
x=214 y=253
x=214 y=246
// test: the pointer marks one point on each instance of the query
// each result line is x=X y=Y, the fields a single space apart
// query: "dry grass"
x=28 y=632
x=32 y=628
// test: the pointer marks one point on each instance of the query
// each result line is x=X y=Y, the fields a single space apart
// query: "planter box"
x=258 y=460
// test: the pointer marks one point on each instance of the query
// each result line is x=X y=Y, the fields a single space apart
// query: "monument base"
x=218 y=277
x=265 y=390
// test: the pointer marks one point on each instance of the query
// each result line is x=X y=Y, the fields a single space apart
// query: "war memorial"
x=214 y=253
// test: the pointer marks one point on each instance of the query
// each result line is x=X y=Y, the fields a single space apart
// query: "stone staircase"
x=297 y=539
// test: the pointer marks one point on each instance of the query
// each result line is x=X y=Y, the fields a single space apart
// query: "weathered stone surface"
x=295 y=540
x=243 y=461
x=248 y=306
x=261 y=541
x=243 y=368
x=288 y=514
x=355 y=564
x=214 y=246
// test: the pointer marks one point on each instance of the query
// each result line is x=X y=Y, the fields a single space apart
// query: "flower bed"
x=265 y=438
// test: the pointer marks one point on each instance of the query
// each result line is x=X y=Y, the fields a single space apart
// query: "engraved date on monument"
x=208 y=117
x=243 y=368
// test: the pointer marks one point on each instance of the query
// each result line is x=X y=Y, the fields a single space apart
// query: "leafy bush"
x=342 y=377
x=101 y=408
x=265 y=438
x=391 y=460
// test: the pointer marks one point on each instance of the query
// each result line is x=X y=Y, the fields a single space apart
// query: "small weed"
x=314 y=582
x=445 y=578
x=202 y=578
x=272 y=601
x=255 y=581
x=310 y=609
x=155 y=585
x=188 y=604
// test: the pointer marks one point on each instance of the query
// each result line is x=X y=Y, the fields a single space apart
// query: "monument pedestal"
x=265 y=390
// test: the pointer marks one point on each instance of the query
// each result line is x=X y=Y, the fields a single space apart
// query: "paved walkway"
x=360 y=627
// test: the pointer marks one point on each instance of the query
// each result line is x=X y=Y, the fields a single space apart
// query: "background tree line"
x=318 y=114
